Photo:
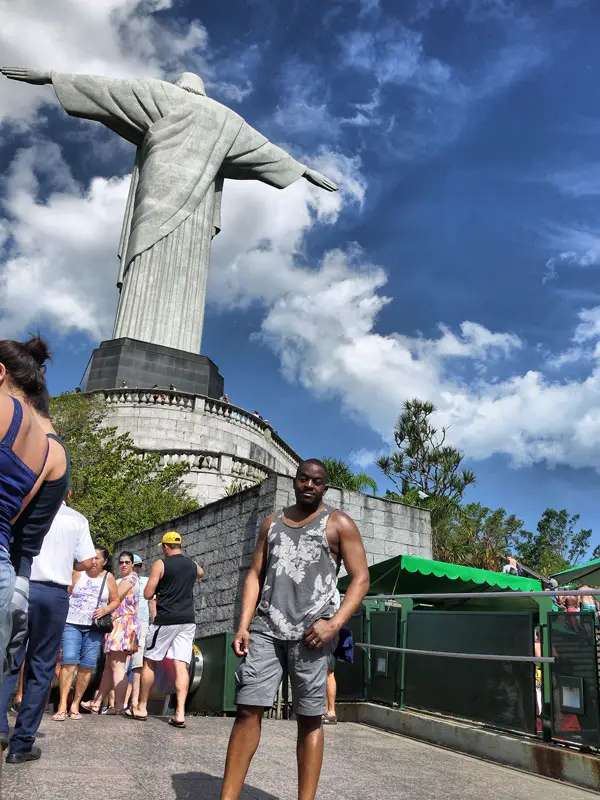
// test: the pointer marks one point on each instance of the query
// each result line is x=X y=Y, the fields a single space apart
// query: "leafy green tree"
x=424 y=469
x=342 y=477
x=119 y=490
x=478 y=537
x=555 y=545
x=596 y=553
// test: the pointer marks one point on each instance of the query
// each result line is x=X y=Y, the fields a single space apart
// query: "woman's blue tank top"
x=16 y=478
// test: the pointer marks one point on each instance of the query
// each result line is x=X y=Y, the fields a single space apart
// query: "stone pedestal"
x=136 y=364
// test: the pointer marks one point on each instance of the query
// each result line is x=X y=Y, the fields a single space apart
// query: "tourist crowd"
x=60 y=606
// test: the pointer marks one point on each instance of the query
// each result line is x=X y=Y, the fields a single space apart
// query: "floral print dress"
x=125 y=634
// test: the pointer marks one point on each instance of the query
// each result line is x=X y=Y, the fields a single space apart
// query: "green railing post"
x=545 y=607
x=407 y=605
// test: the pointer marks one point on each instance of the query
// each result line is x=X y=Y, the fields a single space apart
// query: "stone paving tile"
x=104 y=758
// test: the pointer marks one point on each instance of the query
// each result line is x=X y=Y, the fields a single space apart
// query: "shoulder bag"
x=105 y=623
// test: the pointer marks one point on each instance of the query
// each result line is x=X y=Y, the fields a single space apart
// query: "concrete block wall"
x=221 y=536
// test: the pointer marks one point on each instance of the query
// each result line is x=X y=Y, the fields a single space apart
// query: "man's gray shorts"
x=258 y=677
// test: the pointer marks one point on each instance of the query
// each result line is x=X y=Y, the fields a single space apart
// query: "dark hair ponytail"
x=25 y=364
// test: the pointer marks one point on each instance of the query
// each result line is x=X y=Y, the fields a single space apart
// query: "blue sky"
x=459 y=262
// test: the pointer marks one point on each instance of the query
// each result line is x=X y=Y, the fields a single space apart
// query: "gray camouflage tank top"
x=300 y=578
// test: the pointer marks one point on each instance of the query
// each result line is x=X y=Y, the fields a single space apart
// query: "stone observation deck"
x=223 y=443
x=110 y=758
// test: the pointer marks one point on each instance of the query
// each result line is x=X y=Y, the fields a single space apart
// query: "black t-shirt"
x=175 y=591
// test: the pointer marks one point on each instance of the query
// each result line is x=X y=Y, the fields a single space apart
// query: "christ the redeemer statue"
x=187 y=144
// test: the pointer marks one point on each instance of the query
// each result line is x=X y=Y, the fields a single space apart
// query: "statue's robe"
x=186 y=145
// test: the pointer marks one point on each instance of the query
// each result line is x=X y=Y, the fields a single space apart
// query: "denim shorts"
x=81 y=645
x=7 y=585
x=258 y=676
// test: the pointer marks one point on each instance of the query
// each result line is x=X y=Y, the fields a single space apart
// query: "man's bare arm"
x=156 y=573
x=252 y=589
x=200 y=572
x=354 y=559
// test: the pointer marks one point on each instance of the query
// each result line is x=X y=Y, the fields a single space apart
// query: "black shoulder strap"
x=102 y=589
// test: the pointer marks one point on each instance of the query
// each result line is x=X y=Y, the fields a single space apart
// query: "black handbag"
x=103 y=624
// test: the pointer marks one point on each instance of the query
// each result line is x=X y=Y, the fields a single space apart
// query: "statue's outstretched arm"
x=38 y=76
x=312 y=176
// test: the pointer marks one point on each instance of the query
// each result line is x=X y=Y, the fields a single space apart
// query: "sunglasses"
x=124 y=562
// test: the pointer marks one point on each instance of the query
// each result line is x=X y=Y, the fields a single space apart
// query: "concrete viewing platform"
x=109 y=758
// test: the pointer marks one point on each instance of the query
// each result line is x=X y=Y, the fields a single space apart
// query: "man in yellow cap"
x=171 y=635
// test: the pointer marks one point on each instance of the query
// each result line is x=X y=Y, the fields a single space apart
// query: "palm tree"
x=342 y=477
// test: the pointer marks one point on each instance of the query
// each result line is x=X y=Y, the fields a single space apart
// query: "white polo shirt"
x=67 y=541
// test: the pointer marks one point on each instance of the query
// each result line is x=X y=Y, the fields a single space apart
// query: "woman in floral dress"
x=121 y=642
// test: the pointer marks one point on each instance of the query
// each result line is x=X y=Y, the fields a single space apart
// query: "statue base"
x=142 y=365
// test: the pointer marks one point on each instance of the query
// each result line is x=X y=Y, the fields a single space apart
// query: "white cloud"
x=60 y=261
x=364 y=458
x=578 y=247
x=475 y=341
x=319 y=318
x=581 y=181
x=117 y=38
x=321 y=321
x=394 y=54
x=303 y=107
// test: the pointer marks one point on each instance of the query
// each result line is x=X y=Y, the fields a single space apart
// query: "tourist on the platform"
x=147 y=612
x=588 y=602
x=330 y=717
x=572 y=602
x=94 y=595
x=24 y=455
x=511 y=567
x=67 y=546
x=121 y=642
x=288 y=619
x=171 y=635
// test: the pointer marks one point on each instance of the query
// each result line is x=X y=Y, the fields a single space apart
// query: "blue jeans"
x=7 y=585
x=81 y=645
x=48 y=608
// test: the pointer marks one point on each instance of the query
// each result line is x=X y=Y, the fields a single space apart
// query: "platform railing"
x=404 y=603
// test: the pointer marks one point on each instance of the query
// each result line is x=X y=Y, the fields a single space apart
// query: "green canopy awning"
x=412 y=575
x=584 y=573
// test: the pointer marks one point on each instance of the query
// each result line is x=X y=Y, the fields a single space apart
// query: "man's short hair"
x=317 y=462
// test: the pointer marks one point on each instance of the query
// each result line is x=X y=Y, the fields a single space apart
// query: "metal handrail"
x=444 y=654
x=479 y=595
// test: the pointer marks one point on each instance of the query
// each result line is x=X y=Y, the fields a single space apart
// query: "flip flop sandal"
x=176 y=723
x=60 y=716
x=88 y=708
x=74 y=715
x=130 y=714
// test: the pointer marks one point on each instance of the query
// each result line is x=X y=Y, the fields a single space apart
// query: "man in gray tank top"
x=289 y=620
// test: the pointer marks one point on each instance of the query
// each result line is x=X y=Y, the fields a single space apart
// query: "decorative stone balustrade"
x=221 y=442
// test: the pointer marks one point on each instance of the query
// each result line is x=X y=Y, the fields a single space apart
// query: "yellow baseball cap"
x=171 y=537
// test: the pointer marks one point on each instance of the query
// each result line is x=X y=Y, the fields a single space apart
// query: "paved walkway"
x=108 y=758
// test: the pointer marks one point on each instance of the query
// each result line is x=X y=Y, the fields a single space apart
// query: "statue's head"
x=191 y=83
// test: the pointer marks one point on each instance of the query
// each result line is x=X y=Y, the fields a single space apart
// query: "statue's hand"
x=39 y=76
x=312 y=176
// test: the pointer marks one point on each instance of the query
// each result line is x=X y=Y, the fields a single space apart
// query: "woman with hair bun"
x=24 y=453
